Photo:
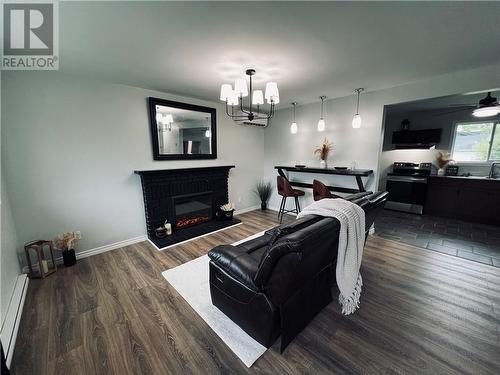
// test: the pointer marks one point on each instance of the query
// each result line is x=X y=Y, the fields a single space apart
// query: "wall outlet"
x=239 y=199
x=78 y=234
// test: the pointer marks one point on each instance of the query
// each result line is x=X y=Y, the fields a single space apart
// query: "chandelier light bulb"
x=240 y=87
x=272 y=93
x=273 y=100
x=258 y=97
x=207 y=133
x=226 y=91
x=233 y=98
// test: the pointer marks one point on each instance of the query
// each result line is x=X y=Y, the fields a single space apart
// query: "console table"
x=356 y=173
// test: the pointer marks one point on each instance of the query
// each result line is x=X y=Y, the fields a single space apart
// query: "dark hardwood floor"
x=421 y=312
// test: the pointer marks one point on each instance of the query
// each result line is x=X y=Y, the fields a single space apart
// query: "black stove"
x=407 y=186
x=411 y=169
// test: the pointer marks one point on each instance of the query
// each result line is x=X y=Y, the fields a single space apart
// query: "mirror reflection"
x=182 y=131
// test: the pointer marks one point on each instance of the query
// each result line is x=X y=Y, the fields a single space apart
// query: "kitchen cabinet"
x=465 y=198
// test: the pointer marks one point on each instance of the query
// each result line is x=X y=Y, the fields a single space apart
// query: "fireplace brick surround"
x=163 y=188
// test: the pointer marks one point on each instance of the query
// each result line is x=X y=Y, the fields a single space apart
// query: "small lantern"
x=42 y=264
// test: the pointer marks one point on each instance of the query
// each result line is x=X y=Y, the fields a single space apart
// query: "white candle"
x=168 y=228
x=45 y=266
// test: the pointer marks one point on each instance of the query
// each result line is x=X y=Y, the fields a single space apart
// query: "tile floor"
x=477 y=242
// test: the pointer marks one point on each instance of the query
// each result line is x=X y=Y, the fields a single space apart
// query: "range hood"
x=416 y=139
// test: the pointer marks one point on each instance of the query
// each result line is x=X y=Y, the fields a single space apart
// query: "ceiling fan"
x=487 y=107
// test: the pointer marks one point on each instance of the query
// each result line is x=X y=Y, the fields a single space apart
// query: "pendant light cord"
x=357 y=105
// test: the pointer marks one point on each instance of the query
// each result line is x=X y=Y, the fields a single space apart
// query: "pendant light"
x=356 y=120
x=321 y=122
x=294 y=127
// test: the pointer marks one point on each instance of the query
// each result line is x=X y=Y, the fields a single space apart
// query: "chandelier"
x=251 y=110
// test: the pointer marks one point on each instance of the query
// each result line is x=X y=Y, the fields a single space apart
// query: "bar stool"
x=320 y=191
x=38 y=246
x=286 y=190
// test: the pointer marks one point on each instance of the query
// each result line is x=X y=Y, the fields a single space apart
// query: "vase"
x=263 y=206
x=224 y=215
x=323 y=164
x=69 y=257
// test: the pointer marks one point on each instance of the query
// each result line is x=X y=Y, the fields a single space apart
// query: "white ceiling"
x=310 y=49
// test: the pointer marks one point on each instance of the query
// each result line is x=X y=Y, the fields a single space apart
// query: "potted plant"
x=66 y=242
x=322 y=152
x=226 y=212
x=442 y=160
x=263 y=190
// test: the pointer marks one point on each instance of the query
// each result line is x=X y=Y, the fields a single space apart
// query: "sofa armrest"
x=236 y=262
x=356 y=196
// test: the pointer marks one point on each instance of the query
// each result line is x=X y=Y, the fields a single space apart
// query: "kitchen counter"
x=480 y=178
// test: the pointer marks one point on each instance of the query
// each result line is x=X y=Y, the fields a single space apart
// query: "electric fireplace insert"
x=192 y=209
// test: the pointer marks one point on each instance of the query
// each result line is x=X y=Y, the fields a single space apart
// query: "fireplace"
x=192 y=209
x=187 y=198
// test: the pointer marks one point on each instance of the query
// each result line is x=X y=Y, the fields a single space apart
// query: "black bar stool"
x=286 y=190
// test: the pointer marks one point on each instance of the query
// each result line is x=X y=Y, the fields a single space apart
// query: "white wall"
x=9 y=265
x=361 y=145
x=71 y=146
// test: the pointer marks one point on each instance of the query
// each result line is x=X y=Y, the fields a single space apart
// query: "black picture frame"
x=153 y=102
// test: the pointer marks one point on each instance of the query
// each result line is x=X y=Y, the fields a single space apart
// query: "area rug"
x=191 y=281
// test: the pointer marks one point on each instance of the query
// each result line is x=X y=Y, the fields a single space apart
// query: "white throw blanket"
x=351 y=244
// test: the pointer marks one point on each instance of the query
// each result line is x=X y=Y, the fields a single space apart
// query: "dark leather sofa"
x=275 y=284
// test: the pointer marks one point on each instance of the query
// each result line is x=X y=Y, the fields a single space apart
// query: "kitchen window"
x=476 y=142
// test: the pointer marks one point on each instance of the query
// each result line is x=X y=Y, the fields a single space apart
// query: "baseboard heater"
x=10 y=325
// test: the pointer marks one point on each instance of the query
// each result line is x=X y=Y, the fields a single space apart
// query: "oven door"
x=406 y=193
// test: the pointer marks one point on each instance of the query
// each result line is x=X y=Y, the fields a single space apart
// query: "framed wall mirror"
x=181 y=131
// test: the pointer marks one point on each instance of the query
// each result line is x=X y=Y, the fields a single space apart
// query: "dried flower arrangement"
x=67 y=241
x=227 y=207
x=442 y=160
x=323 y=150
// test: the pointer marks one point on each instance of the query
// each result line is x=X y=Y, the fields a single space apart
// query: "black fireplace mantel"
x=161 y=186
x=182 y=170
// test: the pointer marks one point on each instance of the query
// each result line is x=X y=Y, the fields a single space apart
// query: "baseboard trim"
x=10 y=325
x=113 y=246
x=248 y=209
x=96 y=250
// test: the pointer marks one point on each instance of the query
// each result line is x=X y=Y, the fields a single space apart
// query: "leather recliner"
x=275 y=284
